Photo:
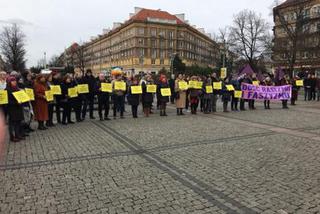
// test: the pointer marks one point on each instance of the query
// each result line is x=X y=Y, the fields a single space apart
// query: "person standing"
x=207 y=95
x=51 y=104
x=284 y=81
x=89 y=97
x=180 y=95
x=103 y=98
x=215 y=93
x=118 y=97
x=56 y=80
x=251 y=103
x=15 y=111
x=194 y=97
x=307 y=87
x=267 y=82
x=234 y=100
x=41 y=104
x=318 y=89
x=66 y=100
x=295 y=90
x=172 y=84
x=225 y=95
x=3 y=85
x=133 y=99
x=313 y=84
x=163 y=100
x=147 y=97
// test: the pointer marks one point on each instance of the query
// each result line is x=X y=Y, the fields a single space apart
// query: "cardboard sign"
x=30 y=93
x=136 y=89
x=199 y=85
x=299 y=82
x=238 y=94
x=55 y=89
x=223 y=73
x=209 y=89
x=256 y=83
x=217 y=85
x=193 y=84
x=49 y=96
x=73 y=92
x=120 y=86
x=83 y=88
x=183 y=85
x=3 y=97
x=151 y=88
x=21 y=96
x=165 y=92
x=230 y=87
x=106 y=87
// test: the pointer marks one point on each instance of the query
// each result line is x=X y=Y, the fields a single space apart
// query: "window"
x=170 y=35
x=153 y=61
x=153 y=43
x=154 y=53
x=162 y=33
x=161 y=61
x=170 y=44
x=153 y=32
x=162 y=43
x=140 y=31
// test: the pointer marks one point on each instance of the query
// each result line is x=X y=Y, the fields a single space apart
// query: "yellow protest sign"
x=183 y=85
x=49 y=96
x=199 y=85
x=151 y=88
x=217 y=85
x=83 y=89
x=106 y=87
x=223 y=73
x=3 y=97
x=165 y=92
x=72 y=92
x=55 y=89
x=299 y=82
x=238 y=94
x=21 y=96
x=136 y=89
x=193 y=84
x=230 y=87
x=120 y=86
x=209 y=89
x=30 y=93
x=256 y=83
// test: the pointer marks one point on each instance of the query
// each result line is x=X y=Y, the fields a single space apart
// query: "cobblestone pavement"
x=262 y=161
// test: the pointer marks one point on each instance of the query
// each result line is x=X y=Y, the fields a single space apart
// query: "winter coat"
x=15 y=110
x=159 y=95
x=41 y=104
x=133 y=99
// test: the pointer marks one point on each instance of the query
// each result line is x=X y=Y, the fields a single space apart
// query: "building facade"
x=148 y=42
x=297 y=36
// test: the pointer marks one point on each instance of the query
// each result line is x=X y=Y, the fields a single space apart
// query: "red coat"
x=41 y=104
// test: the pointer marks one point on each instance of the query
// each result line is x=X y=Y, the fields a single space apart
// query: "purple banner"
x=252 y=92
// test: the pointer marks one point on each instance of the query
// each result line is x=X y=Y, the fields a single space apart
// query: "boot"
x=178 y=112
x=164 y=113
x=181 y=113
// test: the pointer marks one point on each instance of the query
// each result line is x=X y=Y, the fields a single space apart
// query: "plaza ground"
x=262 y=161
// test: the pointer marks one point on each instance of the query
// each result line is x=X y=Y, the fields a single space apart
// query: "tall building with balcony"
x=148 y=42
x=297 y=35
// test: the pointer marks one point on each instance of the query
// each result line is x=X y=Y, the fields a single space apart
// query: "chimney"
x=105 y=30
x=131 y=15
x=201 y=30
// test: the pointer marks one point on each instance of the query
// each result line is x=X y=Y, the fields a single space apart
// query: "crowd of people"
x=187 y=99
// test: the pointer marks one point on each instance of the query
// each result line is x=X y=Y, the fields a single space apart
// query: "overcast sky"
x=52 y=25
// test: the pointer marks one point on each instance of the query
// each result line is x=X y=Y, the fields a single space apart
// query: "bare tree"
x=80 y=58
x=248 y=36
x=12 y=46
x=294 y=26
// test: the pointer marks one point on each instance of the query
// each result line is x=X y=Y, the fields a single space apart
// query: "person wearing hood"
x=15 y=111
